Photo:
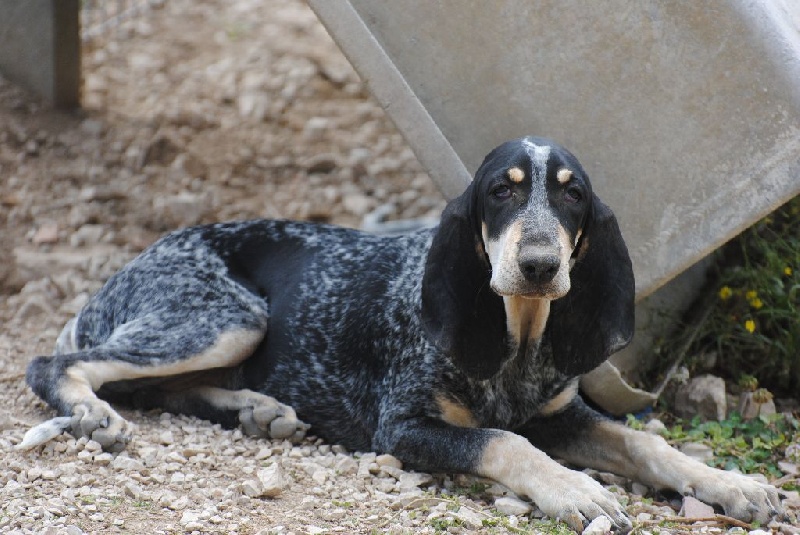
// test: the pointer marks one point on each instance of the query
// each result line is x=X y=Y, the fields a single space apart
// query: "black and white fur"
x=455 y=349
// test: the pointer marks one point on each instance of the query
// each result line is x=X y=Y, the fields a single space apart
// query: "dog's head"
x=528 y=226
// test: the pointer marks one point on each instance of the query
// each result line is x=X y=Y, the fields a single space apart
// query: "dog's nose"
x=539 y=268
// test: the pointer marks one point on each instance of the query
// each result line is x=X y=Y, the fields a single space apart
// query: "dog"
x=455 y=349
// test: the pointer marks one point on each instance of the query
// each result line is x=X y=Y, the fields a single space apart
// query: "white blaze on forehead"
x=539 y=154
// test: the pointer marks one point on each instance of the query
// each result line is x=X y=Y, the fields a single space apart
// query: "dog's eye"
x=501 y=192
x=573 y=195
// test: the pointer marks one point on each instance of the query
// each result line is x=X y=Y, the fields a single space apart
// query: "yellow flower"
x=750 y=326
x=751 y=294
x=756 y=303
x=725 y=293
x=787 y=271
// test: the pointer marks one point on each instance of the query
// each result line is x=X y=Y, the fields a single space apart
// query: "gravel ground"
x=203 y=111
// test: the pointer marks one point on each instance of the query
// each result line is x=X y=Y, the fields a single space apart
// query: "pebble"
x=510 y=505
x=694 y=508
x=599 y=526
x=387 y=460
x=655 y=426
x=412 y=480
x=698 y=451
x=46 y=234
x=346 y=466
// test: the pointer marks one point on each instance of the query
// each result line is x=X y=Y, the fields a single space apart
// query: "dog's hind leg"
x=69 y=382
x=258 y=414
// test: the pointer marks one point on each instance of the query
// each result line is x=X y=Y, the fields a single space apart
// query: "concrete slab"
x=685 y=114
x=40 y=48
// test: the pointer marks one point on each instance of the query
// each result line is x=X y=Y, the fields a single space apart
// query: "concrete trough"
x=685 y=114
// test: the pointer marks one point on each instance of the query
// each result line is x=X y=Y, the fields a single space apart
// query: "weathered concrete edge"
x=394 y=94
x=44 y=51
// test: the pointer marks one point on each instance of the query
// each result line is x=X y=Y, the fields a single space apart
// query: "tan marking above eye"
x=564 y=175
x=515 y=174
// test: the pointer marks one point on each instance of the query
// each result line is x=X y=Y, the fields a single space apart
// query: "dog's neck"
x=526 y=320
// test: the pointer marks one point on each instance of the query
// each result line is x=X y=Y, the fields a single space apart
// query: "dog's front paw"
x=97 y=420
x=577 y=499
x=739 y=496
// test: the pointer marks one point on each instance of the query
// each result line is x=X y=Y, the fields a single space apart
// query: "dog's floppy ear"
x=596 y=317
x=461 y=314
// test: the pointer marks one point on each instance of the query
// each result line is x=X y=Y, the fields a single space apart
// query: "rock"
x=181 y=210
x=263 y=453
x=786 y=529
x=698 y=451
x=314 y=129
x=346 y=466
x=694 y=508
x=599 y=526
x=655 y=426
x=790 y=469
x=166 y=438
x=320 y=476
x=87 y=234
x=386 y=485
x=253 y=104
x=123 y=462
x=638 y=488
x=251 y=488
x=46 y=234
x=180 y=504
x=703 y=396
x=749 y=407
x=388 y=460
x=272 y=481
x=357 y=204
x=412 y=480
x=189 y=517
x=509 y=505
x=471 y=519
x=132 y=490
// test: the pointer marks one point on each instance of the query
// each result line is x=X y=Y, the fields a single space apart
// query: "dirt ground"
x=201 y=111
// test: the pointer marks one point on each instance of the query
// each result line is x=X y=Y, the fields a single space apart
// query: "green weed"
x=751 y=446
x=754 y=323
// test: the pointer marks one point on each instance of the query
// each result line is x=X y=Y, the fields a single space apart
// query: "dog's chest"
x=520 y=391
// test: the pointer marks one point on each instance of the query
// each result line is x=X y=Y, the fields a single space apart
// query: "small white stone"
x=509 y=505
x=471 y=519
x=263 y=453
x=92 y=446
x=655 y=426
x=166 y=438
x=388 y=460
x=412 y=480
x=320 y=476
x=272 y=480
x=599 y=526
x=251 y=488
x=189 y=516
x=103 y=459
x=638 y=488
x=180 y=504
x=346 y=466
